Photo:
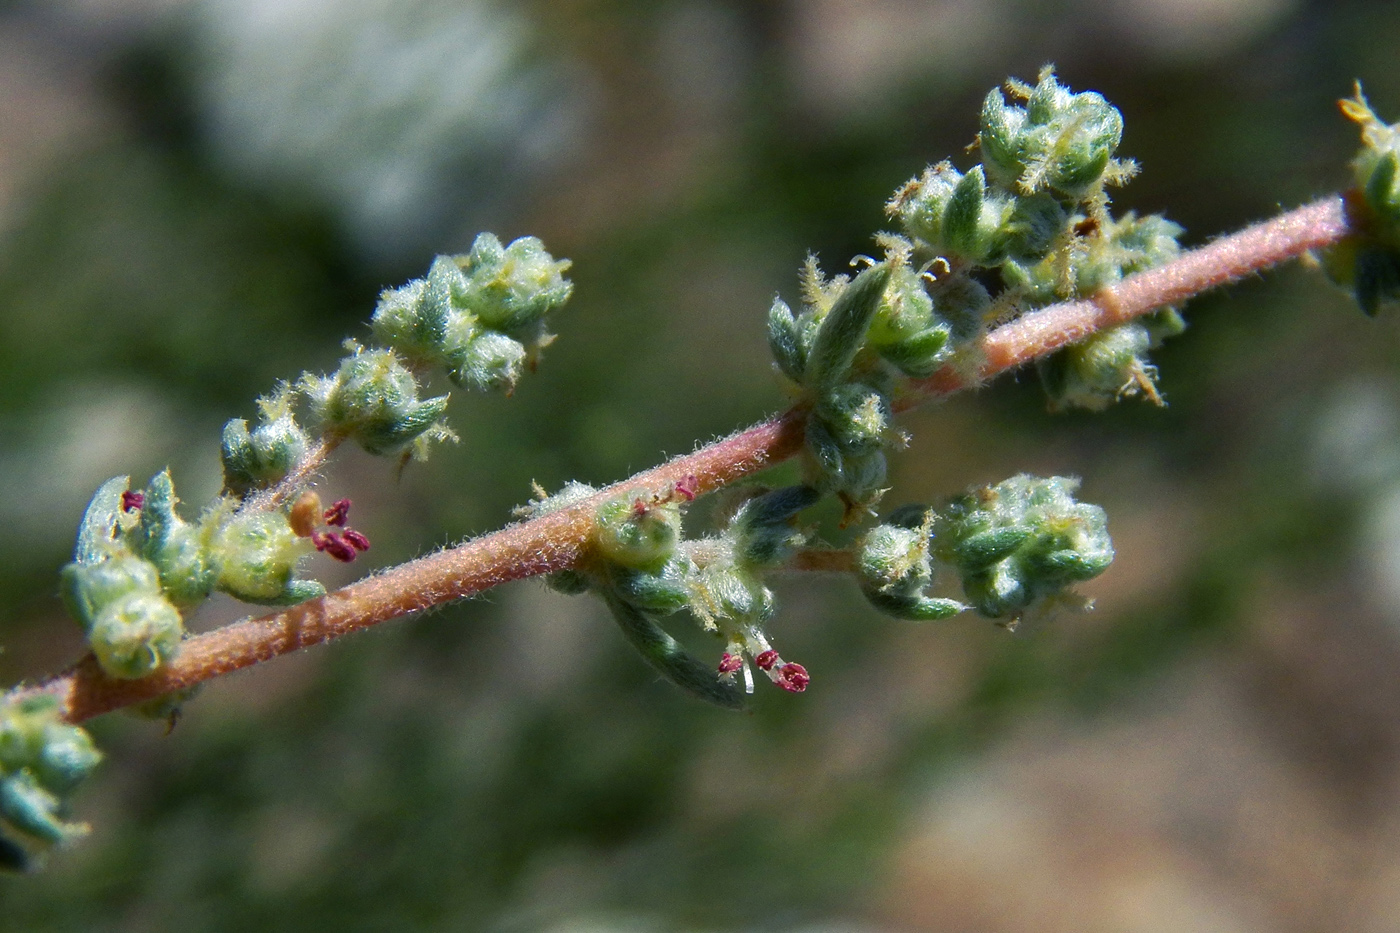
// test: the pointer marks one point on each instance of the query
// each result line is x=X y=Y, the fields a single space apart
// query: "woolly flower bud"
x=131 y=627
x=263 y=456
x=414 y=318
x=1108 y=365
x=511 y=288
x=474 y=313
x=33 y=736
x=906 y=331
x=893 y=567
x=1021 y=540
x=762 y=530
x=1059 y=140
x=257 y=554
x=955 y=214
x=638 y=532
x=136 y=635
x=487 y=361
x=857 y=416
x=857 y=475
x=177 y=549
x=373 y=400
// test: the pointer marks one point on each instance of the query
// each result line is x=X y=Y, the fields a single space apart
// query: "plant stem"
x=556 y=540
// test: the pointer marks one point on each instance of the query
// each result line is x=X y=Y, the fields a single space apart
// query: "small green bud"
x=860 y=476
x=1036 y=222
x=34 y=737
x=762 y=529
x=511 y=288
x=723 y=592
x=637 y=532
x=906 y=332
x=842 y=331
x=659 y=592
x=893 y=569
x=136 y=635
x=920 y=204
x=858 y=417
x=257 y=555
x=373 y=400
x=176 y=548
x=1064 y=141
x=1368 y=261
x=998 y=590
x=262 y=457
x=89 y=588
x=414 y=318
x=67 y=755
x=22 y=725
x=1101 y=369
x=785 y=341
x=101 y=520
x=488 y=361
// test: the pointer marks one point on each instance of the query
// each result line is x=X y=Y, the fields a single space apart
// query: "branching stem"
x=556 y=540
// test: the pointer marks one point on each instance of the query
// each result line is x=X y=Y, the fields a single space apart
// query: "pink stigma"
x=132 y=501
x=766 y=660
x=729 y=663
x=688 y=488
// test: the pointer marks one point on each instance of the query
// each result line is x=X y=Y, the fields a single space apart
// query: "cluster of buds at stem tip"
x=481 y=315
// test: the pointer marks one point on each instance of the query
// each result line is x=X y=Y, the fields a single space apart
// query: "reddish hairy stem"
x=555 y=541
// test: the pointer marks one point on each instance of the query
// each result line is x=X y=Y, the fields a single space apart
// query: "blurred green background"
x=198 y=197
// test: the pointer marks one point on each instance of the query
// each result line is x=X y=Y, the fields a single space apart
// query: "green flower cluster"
x=1368 y=262
x=641 y=566
x=823 y=351
x=480 y=316
x=1032 y=219
x=138 y=565
x=42 y=761
x=1036 y=212
x=1013 y=545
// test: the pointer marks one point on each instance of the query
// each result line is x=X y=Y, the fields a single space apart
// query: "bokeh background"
x=198 y=197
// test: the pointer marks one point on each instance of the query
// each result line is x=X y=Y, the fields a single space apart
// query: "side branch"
x=555 y=541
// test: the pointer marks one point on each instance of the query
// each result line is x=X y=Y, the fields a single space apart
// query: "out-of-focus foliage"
x=508 y=764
